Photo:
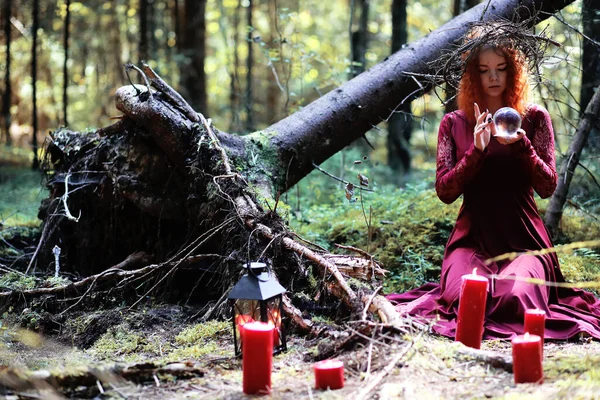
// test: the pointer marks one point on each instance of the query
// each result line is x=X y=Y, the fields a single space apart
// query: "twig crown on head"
x=500 y=34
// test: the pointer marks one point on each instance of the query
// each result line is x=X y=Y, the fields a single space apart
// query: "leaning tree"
x=164 y=199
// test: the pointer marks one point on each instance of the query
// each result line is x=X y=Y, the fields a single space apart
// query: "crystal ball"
x=507 y=121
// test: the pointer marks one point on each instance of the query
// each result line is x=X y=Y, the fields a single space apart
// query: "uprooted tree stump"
x=163 y=203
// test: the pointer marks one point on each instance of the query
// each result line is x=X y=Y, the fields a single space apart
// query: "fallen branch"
x=61 y=381
x=493 y=359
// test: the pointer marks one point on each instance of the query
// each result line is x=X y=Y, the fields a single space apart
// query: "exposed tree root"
x=197 y=155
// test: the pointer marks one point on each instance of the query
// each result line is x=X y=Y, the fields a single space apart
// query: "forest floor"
x=170 y=354
x=427 y=367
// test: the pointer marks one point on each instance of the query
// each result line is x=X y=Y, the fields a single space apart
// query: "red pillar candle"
x=471 y=309
x=329 y=374
x=257 y=361
x=527 y=359
x=535 y=323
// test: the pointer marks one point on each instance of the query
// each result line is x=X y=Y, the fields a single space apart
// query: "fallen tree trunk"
x=165 y=182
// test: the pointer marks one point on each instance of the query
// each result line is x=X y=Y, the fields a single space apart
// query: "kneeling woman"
x=497 y=176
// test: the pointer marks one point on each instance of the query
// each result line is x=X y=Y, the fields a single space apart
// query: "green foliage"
x=203 y=332
x=17 y=281
x=122 y=343
x=410 y=229
x=583 y=265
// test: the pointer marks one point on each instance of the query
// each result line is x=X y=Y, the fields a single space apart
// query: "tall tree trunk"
x=278 y=76
x=589 y=120
x=7 y=90
x=359 y=38
x=153 y=47
x=143 y=47
x=34 y=144
x=193 y=78
x=400 y=123
x=234 y=83
x=116 y=46
x=249 y=100
x=176 y=21
x=459 y=7
x=65 y=63
x=590 y=60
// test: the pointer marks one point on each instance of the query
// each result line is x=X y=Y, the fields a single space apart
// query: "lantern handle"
x=251 y=271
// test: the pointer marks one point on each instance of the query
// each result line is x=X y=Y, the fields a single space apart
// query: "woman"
x=497 y=176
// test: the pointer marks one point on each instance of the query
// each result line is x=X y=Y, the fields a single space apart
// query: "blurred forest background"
x=247 y=64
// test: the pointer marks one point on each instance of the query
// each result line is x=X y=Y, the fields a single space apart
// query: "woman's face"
x=492 y=70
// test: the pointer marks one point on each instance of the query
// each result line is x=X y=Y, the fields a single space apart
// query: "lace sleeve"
x=451 y=175
x=537 y=155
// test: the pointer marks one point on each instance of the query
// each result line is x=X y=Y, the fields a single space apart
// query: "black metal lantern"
x=257 y=297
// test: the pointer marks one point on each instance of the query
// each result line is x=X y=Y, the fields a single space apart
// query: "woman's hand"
x=483 y=128
x=509 y=139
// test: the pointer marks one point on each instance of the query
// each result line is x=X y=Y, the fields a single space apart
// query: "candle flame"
x=475 y=271
x=526 y=336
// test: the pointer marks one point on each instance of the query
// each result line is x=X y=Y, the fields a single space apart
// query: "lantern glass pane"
x=274 y=318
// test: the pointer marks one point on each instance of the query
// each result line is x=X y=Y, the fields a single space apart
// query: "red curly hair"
x=470 y=90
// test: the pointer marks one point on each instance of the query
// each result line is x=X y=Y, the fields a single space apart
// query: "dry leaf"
x=364 y=181
x=349 y=191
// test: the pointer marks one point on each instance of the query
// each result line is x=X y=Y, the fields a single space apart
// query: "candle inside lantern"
x=329 y=374
x=471 y=309
x=275 y=321
x=257 y=362
x=240 y=321
x=527 y=359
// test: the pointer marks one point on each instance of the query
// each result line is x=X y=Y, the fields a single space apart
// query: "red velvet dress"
x=499 y=215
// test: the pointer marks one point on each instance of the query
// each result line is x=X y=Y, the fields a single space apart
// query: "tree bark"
x=567 y=168
x=400 y=123
x=7 y=91
x=34 y=144
x=143 y=47
x=590 y=60
x=249 y=98
x=193 y=79
x=359 y=38
x=65 y=63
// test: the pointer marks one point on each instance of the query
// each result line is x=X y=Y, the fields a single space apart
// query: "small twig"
x=369 y=357
x=42 y=239
x=176 y=264
x=338 y=179
x=496 y=360
x=555 y=249
x=215 y=142
x=309 y=242
x=395 y=360
x=129 y=66
x=170 y=93
x=64 y=199
x=355 y=249
x=80 y=298
x=368 y=303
